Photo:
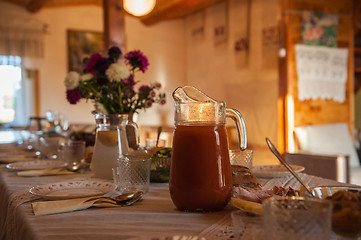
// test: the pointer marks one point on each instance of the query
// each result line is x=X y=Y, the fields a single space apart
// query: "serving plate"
x=271 y=171
x=176 y=237
x=35 y=165
x=17 y=158
x=73 y=189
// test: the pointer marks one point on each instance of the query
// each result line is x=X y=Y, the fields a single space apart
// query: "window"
x=13 y=108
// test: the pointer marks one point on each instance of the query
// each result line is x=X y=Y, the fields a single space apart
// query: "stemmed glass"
x=49 y=147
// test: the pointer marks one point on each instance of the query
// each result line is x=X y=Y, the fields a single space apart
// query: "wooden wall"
x=312 y=112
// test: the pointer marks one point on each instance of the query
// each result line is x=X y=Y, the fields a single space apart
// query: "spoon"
x=159 y=132
x=283 y=161
x=125 y=199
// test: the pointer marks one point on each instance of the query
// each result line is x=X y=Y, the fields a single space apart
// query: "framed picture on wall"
x=82 y=44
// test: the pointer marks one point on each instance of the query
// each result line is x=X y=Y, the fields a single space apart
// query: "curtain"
x=21 y=36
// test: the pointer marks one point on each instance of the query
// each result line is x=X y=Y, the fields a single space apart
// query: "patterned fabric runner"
x=252 y=224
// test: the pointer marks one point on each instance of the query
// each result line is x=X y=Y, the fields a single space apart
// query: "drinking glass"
x=73 y=152
x=297 y=218
x=49 y=147
x=242 y=158
x=132 y=173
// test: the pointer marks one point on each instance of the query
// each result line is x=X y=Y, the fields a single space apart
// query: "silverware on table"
x=125 y=199
x=283 y=161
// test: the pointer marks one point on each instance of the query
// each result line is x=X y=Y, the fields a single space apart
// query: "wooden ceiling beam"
x=172 y=9
x=35 y=5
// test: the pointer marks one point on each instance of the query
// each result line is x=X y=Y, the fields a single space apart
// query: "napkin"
x=69 y=205
x=44 y=172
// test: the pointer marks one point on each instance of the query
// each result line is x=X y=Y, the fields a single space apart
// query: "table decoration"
x=109 y=83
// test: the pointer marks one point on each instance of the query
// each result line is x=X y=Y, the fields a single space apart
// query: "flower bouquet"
x=109 y=82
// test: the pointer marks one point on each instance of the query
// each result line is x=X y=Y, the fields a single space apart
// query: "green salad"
x=160 y=167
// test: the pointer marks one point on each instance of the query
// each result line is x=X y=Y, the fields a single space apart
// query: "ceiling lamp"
x=138 y=7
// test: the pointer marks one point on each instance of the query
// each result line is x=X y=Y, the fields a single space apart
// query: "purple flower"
x=114 y=53
x=91 y=63
x=130 y=81
x=73 y=96
x=138 y=60
x=144 y=88
x=102 y=65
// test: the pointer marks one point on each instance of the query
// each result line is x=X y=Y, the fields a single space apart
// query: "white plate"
x=271 y=171
x=35 y=165
x=176 y=237
x=76 y=188
x=17 y=158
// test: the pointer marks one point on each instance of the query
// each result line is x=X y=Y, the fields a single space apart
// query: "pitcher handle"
x=133 y=135
x=236 y=116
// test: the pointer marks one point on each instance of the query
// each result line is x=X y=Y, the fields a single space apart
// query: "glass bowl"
x=159 y=169
x=346 y=216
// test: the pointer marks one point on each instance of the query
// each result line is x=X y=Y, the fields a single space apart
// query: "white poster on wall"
x=322 y=72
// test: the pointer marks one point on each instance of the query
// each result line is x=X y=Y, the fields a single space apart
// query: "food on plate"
x=346 y=217
x=250 y=199
x=247 y=192
x=160 y=165
x=243 y=177
x=247 y=205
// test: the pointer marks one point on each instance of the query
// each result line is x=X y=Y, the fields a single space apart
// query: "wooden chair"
x=325 y=150
x=333 y=167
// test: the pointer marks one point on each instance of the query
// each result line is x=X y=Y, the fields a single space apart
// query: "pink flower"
x=91 y=63
x=162 y=101
x=152 y=94
x=158 y=85
x=148 y=104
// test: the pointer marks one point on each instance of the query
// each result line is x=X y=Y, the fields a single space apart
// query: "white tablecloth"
x=153 y=216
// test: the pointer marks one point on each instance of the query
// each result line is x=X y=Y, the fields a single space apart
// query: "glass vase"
x=111 y=141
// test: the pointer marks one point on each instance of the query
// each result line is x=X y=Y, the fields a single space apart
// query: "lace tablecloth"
x=150 y=218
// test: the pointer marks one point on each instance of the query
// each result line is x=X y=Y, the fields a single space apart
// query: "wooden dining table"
x=153 y=217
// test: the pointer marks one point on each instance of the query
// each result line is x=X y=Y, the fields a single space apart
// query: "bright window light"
x=10 y=81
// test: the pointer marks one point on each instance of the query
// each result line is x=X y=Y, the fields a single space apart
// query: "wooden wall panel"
x=311 y=112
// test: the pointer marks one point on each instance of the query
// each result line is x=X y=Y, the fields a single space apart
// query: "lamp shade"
x=139 y=7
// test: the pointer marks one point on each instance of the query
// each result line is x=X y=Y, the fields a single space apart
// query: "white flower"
x=72 y=80
x=86 y=77
x=117 y=71
x=100 y=108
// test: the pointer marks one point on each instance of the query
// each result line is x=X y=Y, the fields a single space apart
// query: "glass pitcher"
x=110 y=142
x=200 y=175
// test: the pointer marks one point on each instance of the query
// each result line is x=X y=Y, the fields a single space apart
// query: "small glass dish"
x=346 y=215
